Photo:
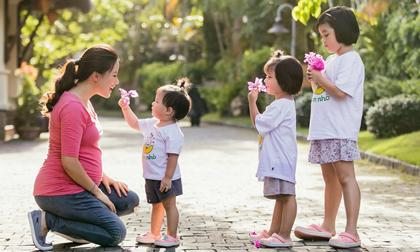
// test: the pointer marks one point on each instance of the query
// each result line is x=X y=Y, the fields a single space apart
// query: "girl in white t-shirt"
x=336 y=113
x=163 y=141
x=277 y=146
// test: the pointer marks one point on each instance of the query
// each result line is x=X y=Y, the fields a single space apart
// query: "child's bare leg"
x=157 y=218
x=351 y=194
x=288 y=215
x=172 y=215
x=332 y=196
x=276 y=219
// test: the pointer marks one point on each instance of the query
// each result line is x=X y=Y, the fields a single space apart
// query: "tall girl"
x=336 y=113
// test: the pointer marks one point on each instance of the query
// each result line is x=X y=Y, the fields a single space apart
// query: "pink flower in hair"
x=315 y=61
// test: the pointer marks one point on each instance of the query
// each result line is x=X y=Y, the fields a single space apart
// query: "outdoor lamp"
x=278 y=28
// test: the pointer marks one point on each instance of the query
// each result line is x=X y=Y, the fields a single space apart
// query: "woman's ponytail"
x=65 y=82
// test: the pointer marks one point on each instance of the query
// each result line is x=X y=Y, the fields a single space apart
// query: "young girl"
x=163 y=141
x=336 y=113
x=277 y=147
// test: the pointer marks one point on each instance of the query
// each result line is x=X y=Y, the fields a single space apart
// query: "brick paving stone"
x=222 y=199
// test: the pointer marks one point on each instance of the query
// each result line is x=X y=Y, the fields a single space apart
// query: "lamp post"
x=279 y=28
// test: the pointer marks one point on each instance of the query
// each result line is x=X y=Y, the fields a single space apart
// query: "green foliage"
x=234 y=77
x=391 y=47
x=27 y=108
x=411 y=87
x=380 y=87
x=394 y=116
x=75 y=31
x=307 y=8
x=303 y=109
x=197 y=71
x=154 y=75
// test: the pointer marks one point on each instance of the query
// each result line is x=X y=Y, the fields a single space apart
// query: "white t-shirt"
x=277 y=141
x=333 y=118
x=158 y=143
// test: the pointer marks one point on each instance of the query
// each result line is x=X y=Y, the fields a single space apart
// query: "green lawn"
x=405 y=147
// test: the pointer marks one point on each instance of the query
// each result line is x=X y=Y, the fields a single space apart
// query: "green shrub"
x=233 y=79
x=28 y=109
x=303 y=109
x=151 y=76
x=197 y=71
x=411 y=87
x=394 y=116
x=380 y=87
x=253 y=62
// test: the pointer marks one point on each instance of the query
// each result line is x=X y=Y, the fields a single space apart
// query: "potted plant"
x=28 y=115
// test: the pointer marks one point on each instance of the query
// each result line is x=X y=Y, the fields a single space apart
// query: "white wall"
x=4 y=94
x=13 y=82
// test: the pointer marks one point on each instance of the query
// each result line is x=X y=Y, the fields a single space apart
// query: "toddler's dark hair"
x=176 y=97
x=344 y=23
x=288 y=72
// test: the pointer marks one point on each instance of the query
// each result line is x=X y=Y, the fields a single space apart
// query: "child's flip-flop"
x=313 y=232
x=276 y=241
x=344 y=240
x=256 y=237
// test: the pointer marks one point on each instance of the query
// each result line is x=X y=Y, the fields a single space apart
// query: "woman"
x=77 y=199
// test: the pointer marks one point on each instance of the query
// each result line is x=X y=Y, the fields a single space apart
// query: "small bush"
x=411 y=87
x=303 y=109
x=380 y=87
x=154 y=75
x=394 y=116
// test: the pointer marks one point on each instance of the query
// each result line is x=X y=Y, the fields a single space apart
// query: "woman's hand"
x=165 y=184
x=102 y=197
x=118 y=186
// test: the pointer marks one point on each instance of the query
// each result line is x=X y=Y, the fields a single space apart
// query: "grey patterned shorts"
x=333 y=150
x=274 y=187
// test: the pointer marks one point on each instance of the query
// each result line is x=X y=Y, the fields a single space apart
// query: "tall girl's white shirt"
x=333 y=118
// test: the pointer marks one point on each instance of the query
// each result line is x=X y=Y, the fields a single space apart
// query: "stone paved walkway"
x=222 y=199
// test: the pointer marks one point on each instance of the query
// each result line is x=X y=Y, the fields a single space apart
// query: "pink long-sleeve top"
x=73 y=133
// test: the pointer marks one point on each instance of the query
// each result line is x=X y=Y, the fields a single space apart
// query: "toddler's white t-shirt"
x=158 y=143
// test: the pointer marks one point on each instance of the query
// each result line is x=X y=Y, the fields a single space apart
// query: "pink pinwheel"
x=257 y=85
x=125 y=95
x=315 y=61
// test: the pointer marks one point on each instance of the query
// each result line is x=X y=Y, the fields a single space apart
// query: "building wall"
x=3 y=72
x=9 y=84
x=13 y=87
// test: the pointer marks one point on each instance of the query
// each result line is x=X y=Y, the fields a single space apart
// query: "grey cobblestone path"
x=222 y=199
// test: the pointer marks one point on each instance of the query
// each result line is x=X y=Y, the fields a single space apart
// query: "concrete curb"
x=374 y=158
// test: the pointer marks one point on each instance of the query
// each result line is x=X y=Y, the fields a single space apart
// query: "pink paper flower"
x=257 y=244
x=125 y=95
x=315 y=61
x=257 y=85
